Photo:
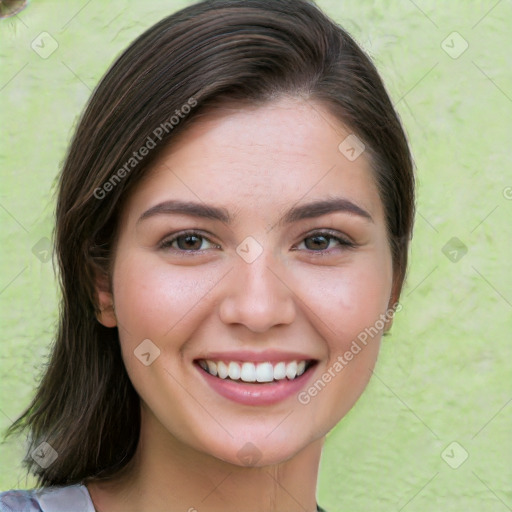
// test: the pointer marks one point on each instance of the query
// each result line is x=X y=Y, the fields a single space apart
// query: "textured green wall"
x=444 y=375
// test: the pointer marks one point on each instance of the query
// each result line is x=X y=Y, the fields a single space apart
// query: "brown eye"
x=320 y=242
x=190 y=242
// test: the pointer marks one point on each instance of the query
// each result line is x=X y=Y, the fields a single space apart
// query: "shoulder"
x=71 y=498
x=18 y=500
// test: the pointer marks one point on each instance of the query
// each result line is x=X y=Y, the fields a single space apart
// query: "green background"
x=444 y=375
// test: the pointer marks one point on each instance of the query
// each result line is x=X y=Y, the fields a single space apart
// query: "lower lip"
x=267 y=393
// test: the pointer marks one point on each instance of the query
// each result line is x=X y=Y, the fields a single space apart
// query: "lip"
x=271 y=356
x=267 y=393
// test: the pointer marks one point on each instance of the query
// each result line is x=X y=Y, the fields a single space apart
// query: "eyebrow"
x=294 y=214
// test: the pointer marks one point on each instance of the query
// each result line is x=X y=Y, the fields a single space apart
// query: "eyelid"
x=345 y=241
x=166 y=242
x=331 y=232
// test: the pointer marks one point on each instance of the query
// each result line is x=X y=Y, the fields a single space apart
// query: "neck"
x=169 y=475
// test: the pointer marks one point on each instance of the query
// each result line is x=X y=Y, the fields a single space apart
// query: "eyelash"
x=329 y=235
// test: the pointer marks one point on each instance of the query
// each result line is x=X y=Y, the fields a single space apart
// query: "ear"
x=389 y=321
x=392 y=308
x=105 y=300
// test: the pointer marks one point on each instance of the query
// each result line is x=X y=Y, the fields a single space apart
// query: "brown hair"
x=250 y=51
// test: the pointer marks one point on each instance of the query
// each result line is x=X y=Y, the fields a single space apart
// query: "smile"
x=252 y=379
x=255 y=372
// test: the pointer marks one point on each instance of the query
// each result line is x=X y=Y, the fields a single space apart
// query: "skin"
x=257 y=163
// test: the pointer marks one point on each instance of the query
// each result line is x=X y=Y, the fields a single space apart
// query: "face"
x=224 y=265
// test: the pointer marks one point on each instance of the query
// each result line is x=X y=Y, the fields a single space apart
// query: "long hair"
x=211 y=53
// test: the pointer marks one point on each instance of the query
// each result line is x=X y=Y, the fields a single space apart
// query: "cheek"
x=346 y=300
x=164 y=304
x=158 y=301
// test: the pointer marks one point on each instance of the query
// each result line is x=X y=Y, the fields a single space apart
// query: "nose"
x=257 y=295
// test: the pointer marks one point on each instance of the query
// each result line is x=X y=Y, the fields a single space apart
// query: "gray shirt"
x=70 y=498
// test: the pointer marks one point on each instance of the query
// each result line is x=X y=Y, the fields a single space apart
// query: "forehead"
x=263 y=158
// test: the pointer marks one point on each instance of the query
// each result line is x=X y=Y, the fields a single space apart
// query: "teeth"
x=234 y=371
x=264 y=372
x=221 y=368
x=251 y=372
x=212 y=367
x=291 y=370
x=280 y=371
x=248 y=373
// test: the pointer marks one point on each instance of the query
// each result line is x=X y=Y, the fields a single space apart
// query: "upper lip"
x=271 y=356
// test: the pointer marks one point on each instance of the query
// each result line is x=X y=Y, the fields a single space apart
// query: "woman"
x=233 y=222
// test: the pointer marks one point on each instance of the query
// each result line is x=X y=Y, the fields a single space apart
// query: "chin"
x=259 y=449
x=251 y=455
